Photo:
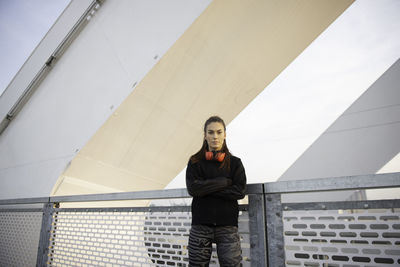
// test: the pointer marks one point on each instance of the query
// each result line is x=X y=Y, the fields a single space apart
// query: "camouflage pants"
x=226 y=238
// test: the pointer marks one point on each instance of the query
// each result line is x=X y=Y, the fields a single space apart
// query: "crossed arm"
x=237 y=189
x=221 y=187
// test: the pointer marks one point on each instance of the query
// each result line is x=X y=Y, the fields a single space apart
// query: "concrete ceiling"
x=218 y=66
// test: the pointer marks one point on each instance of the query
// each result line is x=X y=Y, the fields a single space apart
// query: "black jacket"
x=215 y=191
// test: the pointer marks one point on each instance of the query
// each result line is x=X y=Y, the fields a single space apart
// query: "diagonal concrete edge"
x=218 y=66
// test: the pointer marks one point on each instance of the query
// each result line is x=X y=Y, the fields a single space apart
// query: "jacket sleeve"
x=199 y=186
x=238 y=188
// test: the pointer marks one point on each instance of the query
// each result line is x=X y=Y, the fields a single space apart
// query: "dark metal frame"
x=274 y=226
x=258 y=245
x=265 y=209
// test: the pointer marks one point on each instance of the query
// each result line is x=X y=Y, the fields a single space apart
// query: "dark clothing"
x=228 y=245
x=215 y=191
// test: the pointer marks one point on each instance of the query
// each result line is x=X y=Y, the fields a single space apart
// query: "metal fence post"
x=43 y=249
x=274 y=226
x=257 y=230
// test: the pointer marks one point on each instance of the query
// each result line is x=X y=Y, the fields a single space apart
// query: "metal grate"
x=19 y=232
x=367 y=237
x=127 y=237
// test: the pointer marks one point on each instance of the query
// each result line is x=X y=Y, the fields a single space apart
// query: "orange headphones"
x=212 y=155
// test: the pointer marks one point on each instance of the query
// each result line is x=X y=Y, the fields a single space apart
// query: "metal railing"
x=340 y=233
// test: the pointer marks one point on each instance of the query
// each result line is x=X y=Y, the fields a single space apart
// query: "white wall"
x=99 y=69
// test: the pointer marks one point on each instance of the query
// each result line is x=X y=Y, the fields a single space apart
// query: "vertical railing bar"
x=265 y=211
x=274 y=229
x=258 y=256
x=45 y=232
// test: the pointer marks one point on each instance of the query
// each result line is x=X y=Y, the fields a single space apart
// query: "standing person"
x=216 y=180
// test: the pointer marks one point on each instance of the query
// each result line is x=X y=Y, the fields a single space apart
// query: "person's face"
x=215 y=136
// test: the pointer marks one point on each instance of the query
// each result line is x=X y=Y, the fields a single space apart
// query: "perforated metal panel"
x=355 y=238
x=19 y=238
x=127 y=238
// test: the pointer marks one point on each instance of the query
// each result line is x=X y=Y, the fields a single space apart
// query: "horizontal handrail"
x=370 y=181
x=138 y=195
x=32 y=200
x=358 y=182
x=135 y=195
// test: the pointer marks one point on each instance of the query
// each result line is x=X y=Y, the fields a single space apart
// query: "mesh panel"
x=342 y=238
x=19 y=238
x=127 y=238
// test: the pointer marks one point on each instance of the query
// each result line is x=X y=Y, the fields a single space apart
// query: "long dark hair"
x=201 y=154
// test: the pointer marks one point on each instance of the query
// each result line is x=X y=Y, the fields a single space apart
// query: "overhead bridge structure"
x=121 y=88
x=110 y=105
